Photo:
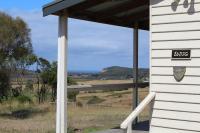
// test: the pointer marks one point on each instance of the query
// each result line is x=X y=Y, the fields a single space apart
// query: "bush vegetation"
x=95 y=100
x=24 y=99
x=16 y=58
x=19 y=96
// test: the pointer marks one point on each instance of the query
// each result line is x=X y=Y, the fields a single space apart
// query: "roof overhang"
x=126 y=13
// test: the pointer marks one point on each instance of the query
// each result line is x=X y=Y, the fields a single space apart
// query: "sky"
x=91 y=46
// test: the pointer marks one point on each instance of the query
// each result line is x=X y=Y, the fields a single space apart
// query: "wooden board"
x=177 y=18
x=176 y=115
x=176 y=27
x=169 y=62
x=184 y=125
x=154 y=129
x=186 y=107
x=192 y=44
x=171 y=9
x=168 y=53
x=159 y=3
x=171 y=80
x=178 y=97
x=176 y=35
x=169 y=71
x=185 y=89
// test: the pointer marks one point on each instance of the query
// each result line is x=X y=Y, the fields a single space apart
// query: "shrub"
x=22 y=114
x=70 y=130
x=29 y=85
x=17 y=91
x=95 y=100
x=4 y=84
x=24 y=99
x=72 y=95
x=79 y=104
x=71 y=81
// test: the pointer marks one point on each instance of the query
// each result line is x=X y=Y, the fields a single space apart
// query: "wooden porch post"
x=61 y=111
x=135 y=68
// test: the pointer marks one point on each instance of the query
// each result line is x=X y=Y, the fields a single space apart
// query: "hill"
x=117 y=72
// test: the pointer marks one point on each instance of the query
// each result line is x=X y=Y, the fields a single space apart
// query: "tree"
x=4 y=84
x=15 y=42
x=43 y=71
x=52 y=80
x=29 y=85
x=21 y=68
x=15 y=48
x=44 y=75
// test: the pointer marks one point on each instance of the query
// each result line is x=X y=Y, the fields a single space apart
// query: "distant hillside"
x=117 y=72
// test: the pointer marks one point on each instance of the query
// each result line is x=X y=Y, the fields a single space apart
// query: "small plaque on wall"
x=181 y=54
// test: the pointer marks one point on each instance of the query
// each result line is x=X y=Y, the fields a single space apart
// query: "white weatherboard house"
x=174 y=27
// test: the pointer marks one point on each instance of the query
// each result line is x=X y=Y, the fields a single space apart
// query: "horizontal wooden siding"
x=177 y=104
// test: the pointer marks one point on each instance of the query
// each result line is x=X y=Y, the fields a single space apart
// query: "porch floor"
x=142 y=127
x=120 y=131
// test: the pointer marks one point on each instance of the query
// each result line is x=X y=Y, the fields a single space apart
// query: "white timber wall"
x=177 y=104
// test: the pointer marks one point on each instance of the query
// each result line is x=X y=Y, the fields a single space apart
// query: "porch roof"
x=126 y=13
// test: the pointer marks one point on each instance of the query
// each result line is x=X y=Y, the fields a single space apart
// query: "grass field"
x=107 y=110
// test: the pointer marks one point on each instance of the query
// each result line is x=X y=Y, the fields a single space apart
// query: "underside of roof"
x=126 y=13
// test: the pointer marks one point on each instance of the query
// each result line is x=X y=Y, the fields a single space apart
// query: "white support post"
x=61 y=111
x=135 y=68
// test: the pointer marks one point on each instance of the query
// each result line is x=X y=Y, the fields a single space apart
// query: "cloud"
x=92 y=46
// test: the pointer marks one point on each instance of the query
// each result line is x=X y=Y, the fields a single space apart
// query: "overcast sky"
x=92 y=46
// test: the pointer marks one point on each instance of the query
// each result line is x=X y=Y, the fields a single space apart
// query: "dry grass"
x=96 y=116
x=107 y=114
x=41 y=121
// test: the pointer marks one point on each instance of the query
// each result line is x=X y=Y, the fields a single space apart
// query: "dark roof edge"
x=56 y=6
x=51 y=3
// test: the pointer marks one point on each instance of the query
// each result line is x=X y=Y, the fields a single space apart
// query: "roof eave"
x=56 y=6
